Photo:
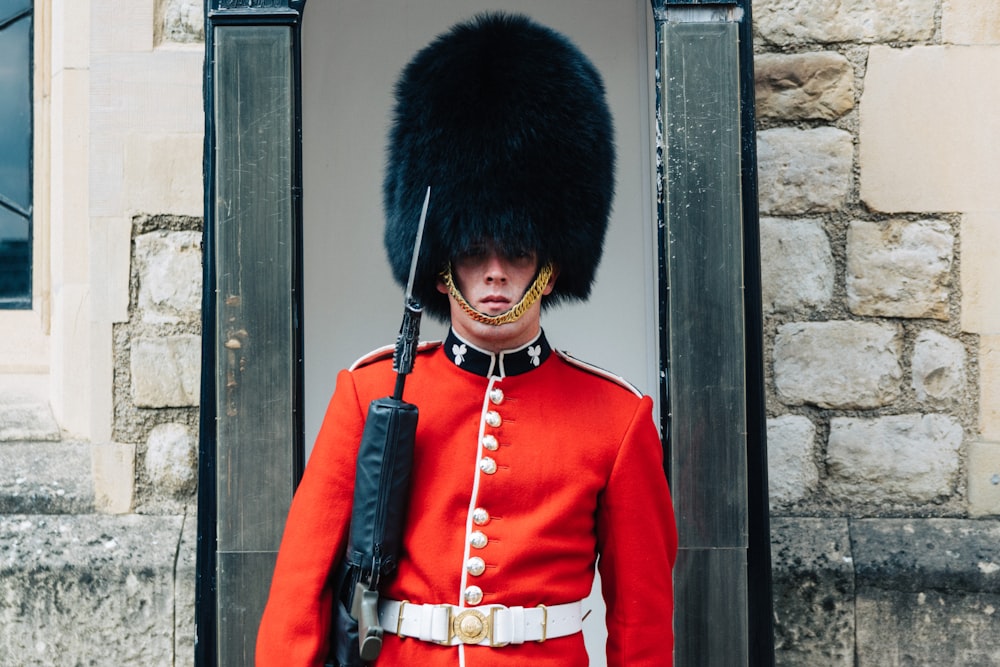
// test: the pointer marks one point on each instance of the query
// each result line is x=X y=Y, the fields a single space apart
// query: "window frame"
x=24 y=300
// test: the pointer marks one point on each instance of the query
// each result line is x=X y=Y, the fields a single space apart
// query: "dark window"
x=15 y=153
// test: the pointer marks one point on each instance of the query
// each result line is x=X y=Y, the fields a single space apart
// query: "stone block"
x=989 y=387
x=899 y=268
x=938 y=369
x=163 y=173
x=804 y=171
x=927 y=628
x=71 y=45
x=980 y=234
x=180 y=22
x=813 y=584
x=926 y=114
x=782 y=22
x=984 y=479
x=170 y=276
x=970 y=22
x=166 y=372
x=905 y=459
x=797 y=269
x=837 y=364
x=157 y=94
x=803 y=86
x=110 y=263
x=125 y=26
x=45 y=478
x=928 y=592
x=171 y=460
x=114 y=477
x=791 y=467
x=88 y=590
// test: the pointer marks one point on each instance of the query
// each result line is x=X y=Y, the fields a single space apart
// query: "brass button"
x=473 y=595
x=475 y=566
x=478 y=539
x=480 y=516
x=493 y=418
x=490 y=443
x=487 y=465
x=496 y=396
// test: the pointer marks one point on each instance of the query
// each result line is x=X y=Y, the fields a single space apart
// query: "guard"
x=529 y=466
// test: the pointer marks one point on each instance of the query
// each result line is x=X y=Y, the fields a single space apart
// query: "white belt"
x=489 y=625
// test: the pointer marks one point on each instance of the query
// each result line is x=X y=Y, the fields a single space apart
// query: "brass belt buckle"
x=471 y=626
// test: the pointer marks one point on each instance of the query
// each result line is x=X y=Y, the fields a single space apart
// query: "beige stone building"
x=879 y=197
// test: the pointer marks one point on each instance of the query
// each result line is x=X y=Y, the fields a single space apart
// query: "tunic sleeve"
x=637 y=539
x=295 y=626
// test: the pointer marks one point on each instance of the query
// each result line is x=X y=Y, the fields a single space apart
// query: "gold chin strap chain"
x=535 y=291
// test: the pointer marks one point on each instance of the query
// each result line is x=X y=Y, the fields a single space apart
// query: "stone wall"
x=158 y=361
x=876 y=403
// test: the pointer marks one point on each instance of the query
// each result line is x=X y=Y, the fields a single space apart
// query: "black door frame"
x=289 y=13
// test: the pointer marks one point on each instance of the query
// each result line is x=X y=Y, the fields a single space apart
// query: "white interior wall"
x=352 y=54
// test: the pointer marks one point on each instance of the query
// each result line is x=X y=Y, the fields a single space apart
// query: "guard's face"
x=492 y=283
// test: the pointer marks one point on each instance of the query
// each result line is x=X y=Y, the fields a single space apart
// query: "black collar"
x=470 y=358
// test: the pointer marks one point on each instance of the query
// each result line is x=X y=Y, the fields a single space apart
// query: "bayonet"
x=409 y=331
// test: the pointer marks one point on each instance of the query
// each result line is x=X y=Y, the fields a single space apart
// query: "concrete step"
x=24 y=414
x=39 y=472
x=96 y=590
x=46 y=478
x=882 y=591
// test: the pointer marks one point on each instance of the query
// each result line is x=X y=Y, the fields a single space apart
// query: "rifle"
x=381 y=491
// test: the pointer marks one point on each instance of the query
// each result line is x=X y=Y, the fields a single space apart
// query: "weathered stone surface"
x=171 y=456
x=184 y=601
x=927 y=628
x=798 y=21
x=791 y=468
x=938 y=369
x=803 y=171
x=920 y=554
x=182 y=21
x=88 y=590
x=24 y=418
x=984 y=479
x=797 y=269
x=803 y=85
x=169 y=276
x=901 y=458
x=837 y=364
x=45 y=478
x=899 y=268
x=928 y=592
x=166 y=371
x=813 y=582
x=970 y=22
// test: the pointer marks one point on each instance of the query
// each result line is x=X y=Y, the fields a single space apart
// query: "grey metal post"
x=251 y=430
x=714 y=400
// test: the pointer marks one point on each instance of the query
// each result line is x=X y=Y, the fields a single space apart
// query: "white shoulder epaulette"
x=600 y=372
x=386 y=352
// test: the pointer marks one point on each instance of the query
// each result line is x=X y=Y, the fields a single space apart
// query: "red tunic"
x=578 y=474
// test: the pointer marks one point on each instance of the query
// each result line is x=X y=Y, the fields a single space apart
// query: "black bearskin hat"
x=507 y=122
